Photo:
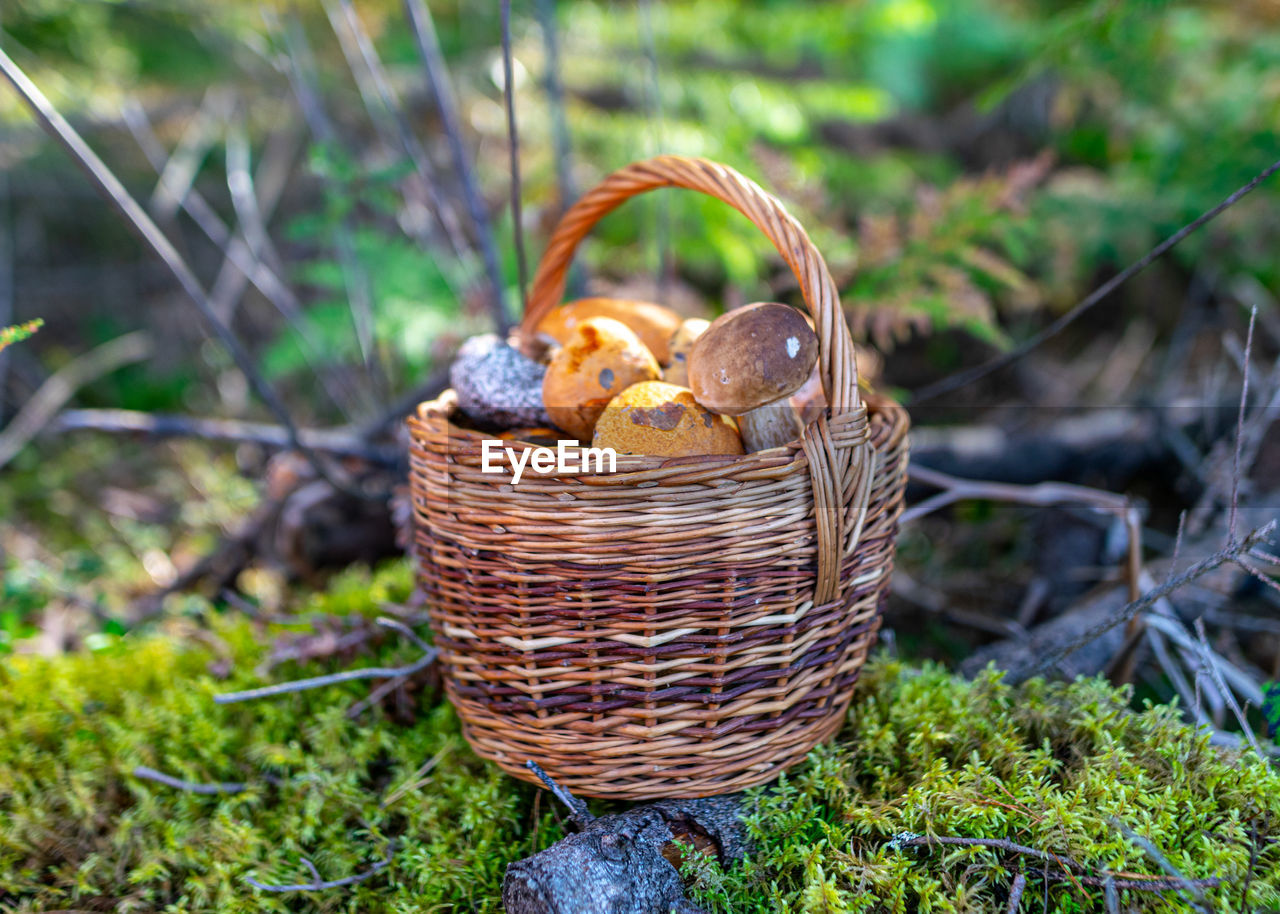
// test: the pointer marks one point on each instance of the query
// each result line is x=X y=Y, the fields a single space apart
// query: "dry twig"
x=1015 y=892
x=319 y=885
x=209 y=789
x=358 y=48
x=1210 y=661
x=301 y=70
x=424 y=31
x=579 y=815
x=513 y=150
x=242 y=262
x=1042 y=494
x=1148 y=599
x=316 y=682
x=1193 y=886
x=1070 y=869
x=336 y=441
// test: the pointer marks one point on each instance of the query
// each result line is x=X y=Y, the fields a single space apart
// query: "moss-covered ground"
x=1048 y=766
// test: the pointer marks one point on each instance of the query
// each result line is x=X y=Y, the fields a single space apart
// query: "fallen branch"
x=1149 y=599
x=338 y=441
x=621 y=857
x=1109 y=447
x=1136 y=884
x=997 y=844
x=1193 y=886
x=1019 y=654
x=579 y=815
x=386 y=688
x=316 y=682
x=1043 y=494
x=1120 y=880
x=1015 y=892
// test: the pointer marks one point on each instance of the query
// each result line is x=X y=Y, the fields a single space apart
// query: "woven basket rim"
x=879 y=407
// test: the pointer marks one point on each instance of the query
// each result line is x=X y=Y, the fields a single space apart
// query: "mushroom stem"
x=765 y=427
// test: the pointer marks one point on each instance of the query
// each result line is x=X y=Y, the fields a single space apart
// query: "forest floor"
x=969 y=171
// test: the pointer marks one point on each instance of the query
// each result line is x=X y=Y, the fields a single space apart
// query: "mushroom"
x=752 y=356
x=498 y=385
x=767 y=427
x=810 y=399
x=602 y=358
x=663 y=420
x=677 y=364
x=654 y=324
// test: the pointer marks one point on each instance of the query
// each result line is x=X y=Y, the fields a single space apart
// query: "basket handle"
x=836 y=362
x=837 y=445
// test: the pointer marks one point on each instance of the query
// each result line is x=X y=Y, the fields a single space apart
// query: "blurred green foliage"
x=1271 y=710
x=103 y=524
x=855 y=112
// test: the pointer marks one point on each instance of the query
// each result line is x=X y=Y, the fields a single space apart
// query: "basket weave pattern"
x=681 y=627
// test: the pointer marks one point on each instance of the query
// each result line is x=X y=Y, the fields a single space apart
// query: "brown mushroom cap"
x=600 y=360
x=654 y=324
x=663 y=420
x=750 y=357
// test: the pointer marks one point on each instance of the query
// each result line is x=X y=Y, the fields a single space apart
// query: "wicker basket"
x=681 y=627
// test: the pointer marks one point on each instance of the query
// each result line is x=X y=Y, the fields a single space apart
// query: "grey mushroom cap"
x=498 y=385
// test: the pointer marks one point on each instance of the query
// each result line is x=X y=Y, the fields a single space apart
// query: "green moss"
x=1042 y=765
x=1045 y=765
x=77 y=830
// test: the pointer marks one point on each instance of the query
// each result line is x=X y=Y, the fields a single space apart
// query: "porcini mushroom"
x=770 y=426
x=598 y=361
x=751 y=357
